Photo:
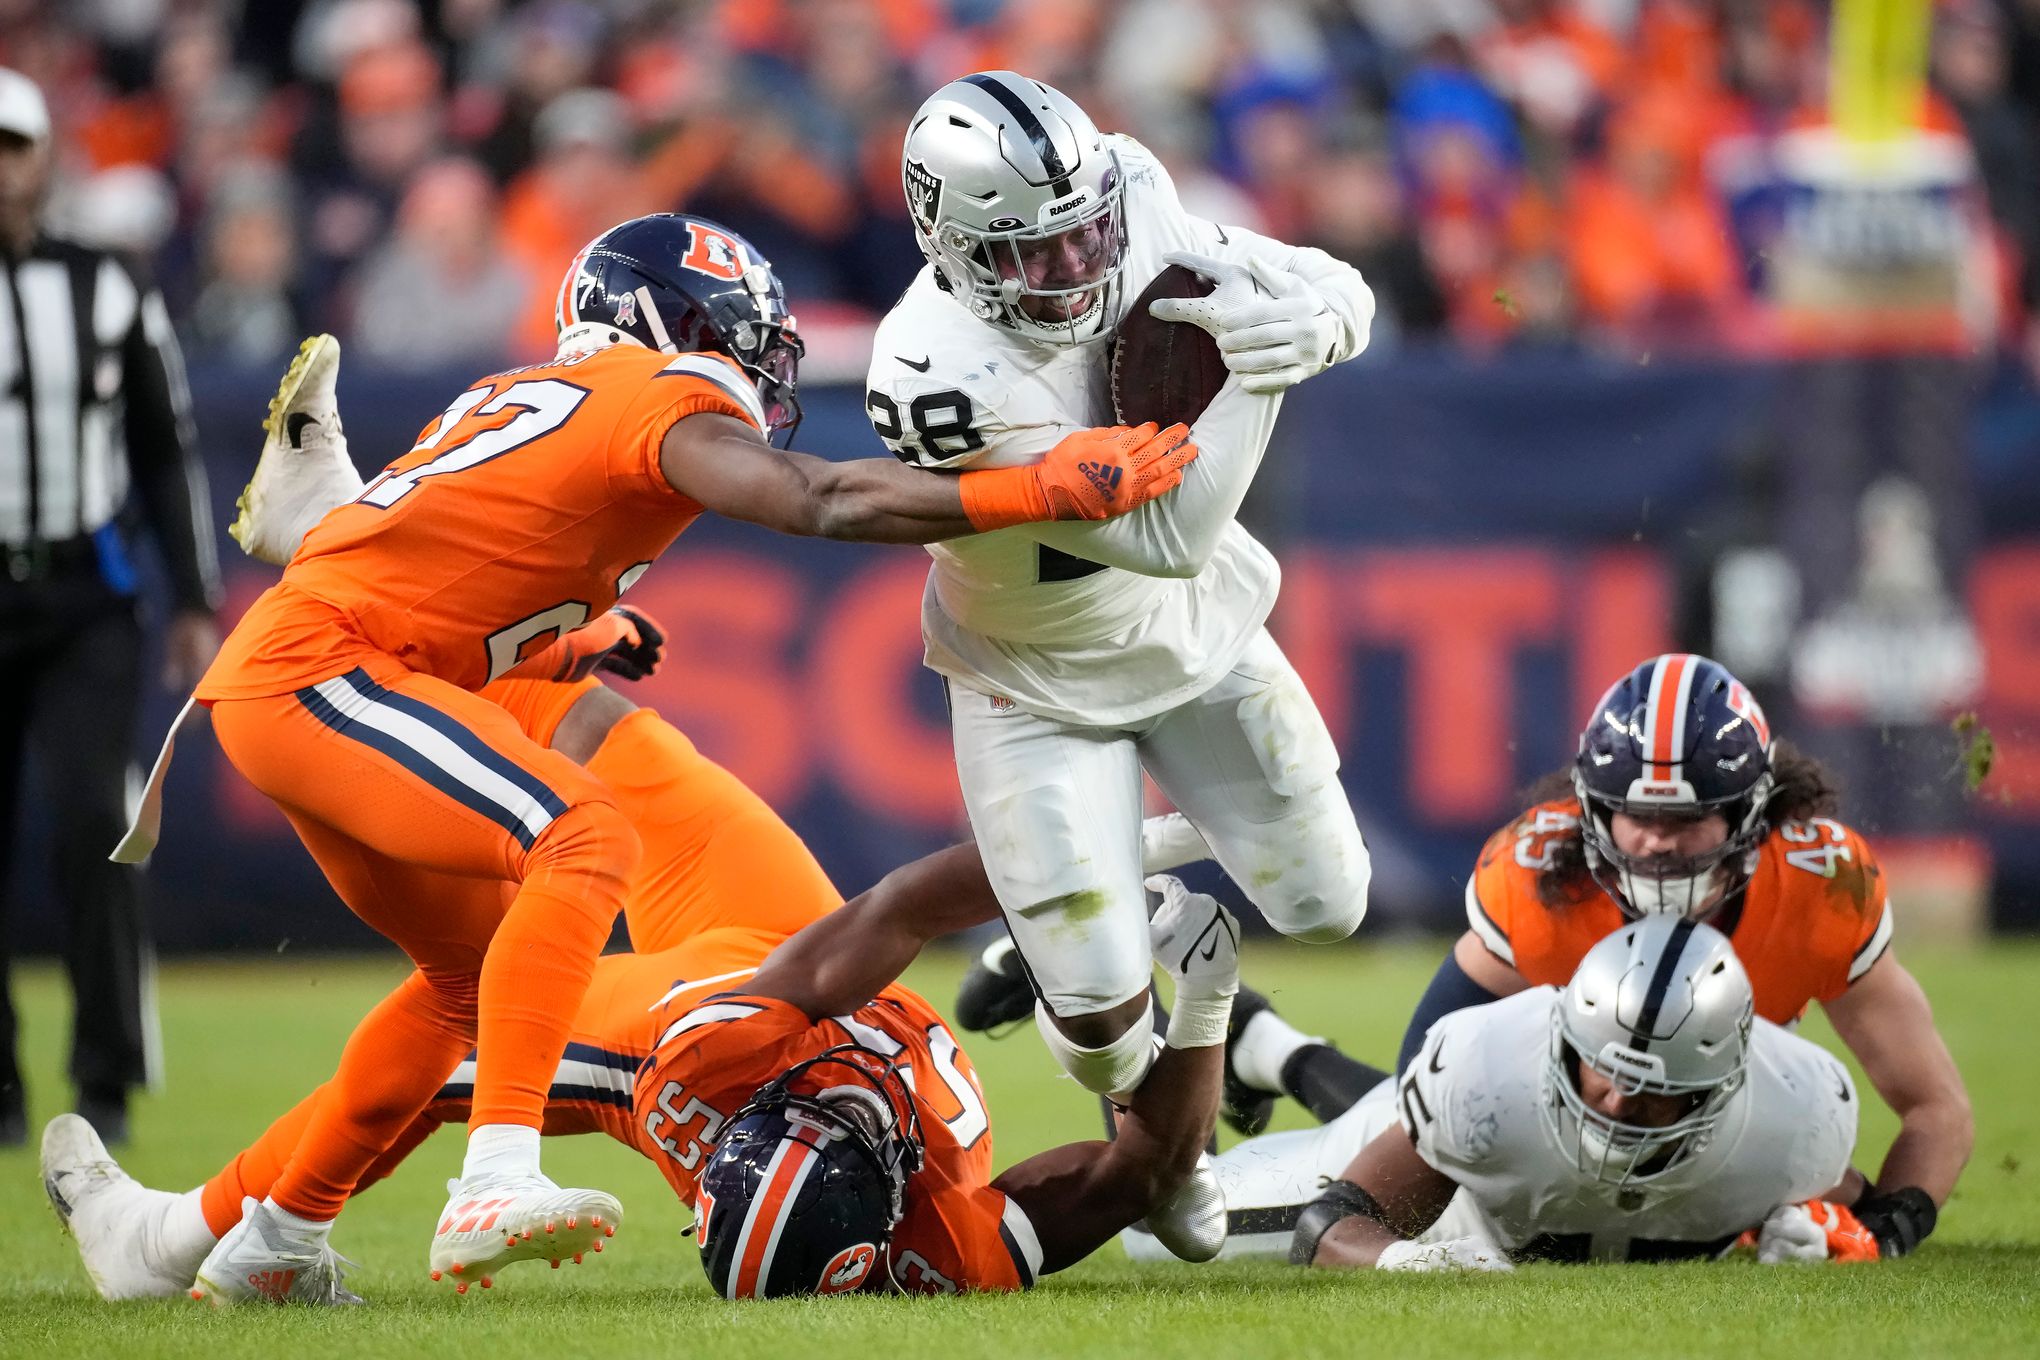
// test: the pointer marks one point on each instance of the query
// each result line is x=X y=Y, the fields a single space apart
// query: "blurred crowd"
x=415 y=174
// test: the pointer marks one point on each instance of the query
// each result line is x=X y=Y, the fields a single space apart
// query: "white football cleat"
x=304 y=470
x=260 y=1261
x=494 y=1221
x=112 y=1216
x=1191 y=1223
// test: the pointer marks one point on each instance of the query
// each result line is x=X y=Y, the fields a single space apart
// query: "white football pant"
x=1056 y=809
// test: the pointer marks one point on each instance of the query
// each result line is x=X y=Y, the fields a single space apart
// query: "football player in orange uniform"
x=759 y=1027
x=1680 y=802
x=497 y=547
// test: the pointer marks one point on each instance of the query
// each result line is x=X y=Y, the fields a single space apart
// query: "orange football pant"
x=715 y=855
x=497 y=865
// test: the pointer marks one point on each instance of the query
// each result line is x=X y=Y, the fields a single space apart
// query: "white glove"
x=1273 y=329
x=1458 y=1253
x=1168 y=841
x=1790 y=1236
x=1197 y=943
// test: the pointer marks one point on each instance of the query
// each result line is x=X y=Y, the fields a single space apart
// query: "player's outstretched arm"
x=841 y=961
x=1888 y=1025
x=723 y=464
x=1366 y=1218
x=1079 y=1195
x=836 y=964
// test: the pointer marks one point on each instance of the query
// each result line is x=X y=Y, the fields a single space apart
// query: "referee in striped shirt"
x=95 y=436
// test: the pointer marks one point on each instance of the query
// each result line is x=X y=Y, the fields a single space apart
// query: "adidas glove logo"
x=1105 y=478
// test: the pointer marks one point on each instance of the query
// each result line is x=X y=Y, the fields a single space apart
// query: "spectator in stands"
x=1972 y=71
x=392 y=119
x=244 y=312
x=583 y=183
x=1649 y=247
x=1354 y=208
x=441 y=291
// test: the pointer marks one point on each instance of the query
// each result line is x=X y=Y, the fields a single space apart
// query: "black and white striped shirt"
x=94 y=408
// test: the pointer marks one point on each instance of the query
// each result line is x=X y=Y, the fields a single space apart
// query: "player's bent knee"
x=1321 y=902
x=1115 y=1068
x=594 y=838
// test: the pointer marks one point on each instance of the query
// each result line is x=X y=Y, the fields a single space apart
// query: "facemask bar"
x=1614 y=1151
x=1685 y=885
x=995 y=264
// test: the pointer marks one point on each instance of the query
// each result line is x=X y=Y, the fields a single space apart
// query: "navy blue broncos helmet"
x=808 y=1181
x=1677 y=736
x=685 y=285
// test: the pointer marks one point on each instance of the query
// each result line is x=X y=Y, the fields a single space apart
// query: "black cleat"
x=1245 y=1108
x=995 y=992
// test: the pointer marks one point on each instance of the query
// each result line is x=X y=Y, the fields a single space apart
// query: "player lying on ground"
x=696 y=1052
x=1697 y=814
x=497 y=546
x=1636 y=1115
x=1077 y=660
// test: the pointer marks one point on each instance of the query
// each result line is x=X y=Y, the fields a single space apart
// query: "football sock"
x=182 y=1236
x=503 y=1150
x=255 y=1169
x=394 y=1064
x=1327 y=1082
x=297 y=1227
x=1264 y=1044
x=541 y=961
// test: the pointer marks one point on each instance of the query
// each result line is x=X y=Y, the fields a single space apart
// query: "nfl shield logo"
x=924 y=191
x=626 y=310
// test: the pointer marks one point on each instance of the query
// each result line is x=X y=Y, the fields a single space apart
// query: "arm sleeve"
x=1450 y=990
x=1176 y=534
x=163 y=456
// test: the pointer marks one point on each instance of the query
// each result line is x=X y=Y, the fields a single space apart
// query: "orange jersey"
x=1812 y=920
x=720 y=1046
x=667 y=1047
x=523 y=511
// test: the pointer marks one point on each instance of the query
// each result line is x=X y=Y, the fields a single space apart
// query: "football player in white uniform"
x=1076 y=660
x=1639 y=1114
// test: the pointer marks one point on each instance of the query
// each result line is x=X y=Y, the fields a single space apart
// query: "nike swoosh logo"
x=1437 y=1053
x=1223 y=239
x=921 y=367
x=294 y=425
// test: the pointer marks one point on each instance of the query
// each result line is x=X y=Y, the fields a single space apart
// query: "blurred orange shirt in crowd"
x=1645 y=236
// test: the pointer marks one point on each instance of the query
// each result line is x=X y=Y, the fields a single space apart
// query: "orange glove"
x=1817 y=1230
x=1092 y=474
x=624 y=642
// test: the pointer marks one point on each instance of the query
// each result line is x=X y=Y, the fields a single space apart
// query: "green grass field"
x=245 y=1038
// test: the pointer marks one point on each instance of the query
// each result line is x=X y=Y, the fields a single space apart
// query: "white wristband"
x=1199 y=1021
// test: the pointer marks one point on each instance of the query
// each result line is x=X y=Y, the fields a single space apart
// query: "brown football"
x=1165 y=371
